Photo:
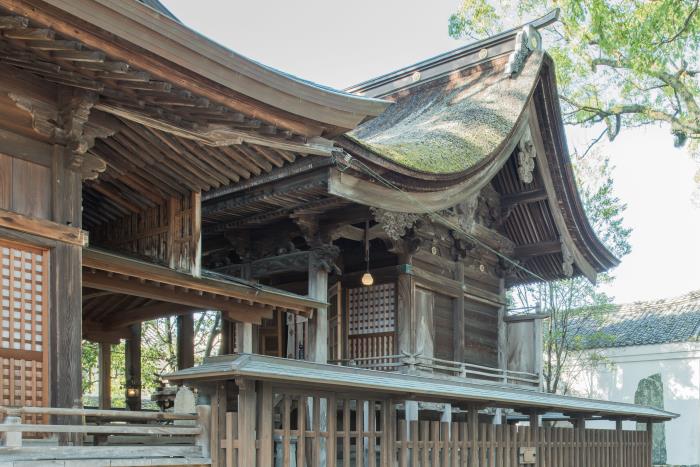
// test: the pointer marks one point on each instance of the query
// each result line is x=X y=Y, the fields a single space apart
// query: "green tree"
x=158 y=354
x=619 y=63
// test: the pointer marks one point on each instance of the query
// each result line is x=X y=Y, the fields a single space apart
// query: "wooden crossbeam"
x=145 y=313
x=523 y=197
x=13 y=22
x=29 y=34
x=537 y=249
x=174 y=295
x=43 y=228
x=121 y=265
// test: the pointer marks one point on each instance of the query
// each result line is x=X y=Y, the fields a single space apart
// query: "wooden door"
x=371 y=322
x=270 y=336
x=443 y=322
x=24 y=286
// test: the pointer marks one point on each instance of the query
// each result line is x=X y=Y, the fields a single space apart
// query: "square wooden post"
x=247 y=418
x=473 y=420
x=244 y=337
x=132 y=359
x=535 y=433
x=650 y=443
x=618 y=439
x=65 y=302
x=318 y=324
x=105 y=369
x=227 y=336
x=185 y=341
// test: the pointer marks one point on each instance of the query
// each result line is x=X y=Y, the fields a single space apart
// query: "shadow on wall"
x=650 y=392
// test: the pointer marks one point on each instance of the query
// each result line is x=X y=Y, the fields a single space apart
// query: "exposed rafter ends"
x=221 y=134
x=179 y=55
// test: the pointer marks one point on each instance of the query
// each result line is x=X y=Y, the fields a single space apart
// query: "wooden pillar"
x=105 y=365
x=620 y=448
x=318 y=324
x=405 y=307
x=458 y=315
x=535 y=430
x=244 y=337
x=650 y=444
x=132 y=359
x=185 y=341
x=580 y=431
x=473 y=421
x=502 y=334
x=65 y=320
x=228 y=330
x=247 y=418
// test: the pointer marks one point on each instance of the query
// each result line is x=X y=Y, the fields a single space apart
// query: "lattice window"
x=24 y=288
x=372 y=310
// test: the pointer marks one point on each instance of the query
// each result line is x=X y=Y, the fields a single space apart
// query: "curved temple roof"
x=461 y=121
x=450 y=124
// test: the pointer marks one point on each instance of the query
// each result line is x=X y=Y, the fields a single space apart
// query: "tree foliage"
x=619 y=62
x=158 y=354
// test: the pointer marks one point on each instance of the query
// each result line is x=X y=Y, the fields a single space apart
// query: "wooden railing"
x=312 y=428
x=114 y=434
x=419 y=363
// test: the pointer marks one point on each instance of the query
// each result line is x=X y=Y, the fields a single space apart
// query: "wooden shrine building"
x=146 y=171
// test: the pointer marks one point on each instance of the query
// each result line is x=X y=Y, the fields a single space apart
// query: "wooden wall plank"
x=31 y=189
x=5 y=182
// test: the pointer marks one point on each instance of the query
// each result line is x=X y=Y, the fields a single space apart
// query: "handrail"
x=199 y=430
x=98 y=413
x=462 y=369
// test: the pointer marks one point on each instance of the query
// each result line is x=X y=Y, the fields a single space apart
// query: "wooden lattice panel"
x=372 y=310
x=24 y=328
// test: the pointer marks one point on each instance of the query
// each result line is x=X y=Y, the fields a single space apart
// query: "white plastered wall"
x=617 y=380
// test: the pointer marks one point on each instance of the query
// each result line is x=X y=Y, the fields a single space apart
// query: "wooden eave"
x=134 y=33
x=123 y=275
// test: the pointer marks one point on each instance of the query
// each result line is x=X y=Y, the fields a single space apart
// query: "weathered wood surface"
x=43 y=228
x=366 y=432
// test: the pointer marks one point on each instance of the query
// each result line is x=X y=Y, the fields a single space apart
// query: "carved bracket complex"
x=526 y=158
x=567 y=264
x=67 y=124
x=395 y=224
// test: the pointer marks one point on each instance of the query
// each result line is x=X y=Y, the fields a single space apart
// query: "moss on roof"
x=450 y=124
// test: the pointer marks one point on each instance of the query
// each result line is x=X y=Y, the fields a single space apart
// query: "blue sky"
x=339 y=43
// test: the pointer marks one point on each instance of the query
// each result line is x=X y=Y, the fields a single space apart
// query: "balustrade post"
x=247 y=418
x=13 y=439
x=203 y=439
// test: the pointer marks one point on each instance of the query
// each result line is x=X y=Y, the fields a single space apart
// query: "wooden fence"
x=313 y=429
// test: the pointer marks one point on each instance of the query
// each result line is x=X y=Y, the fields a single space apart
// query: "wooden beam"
x=523 y=197
x=145 y=313
x=122 y=284
x=113 y=336
x=43 y=228
x=531 y=250
x=117 y=264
